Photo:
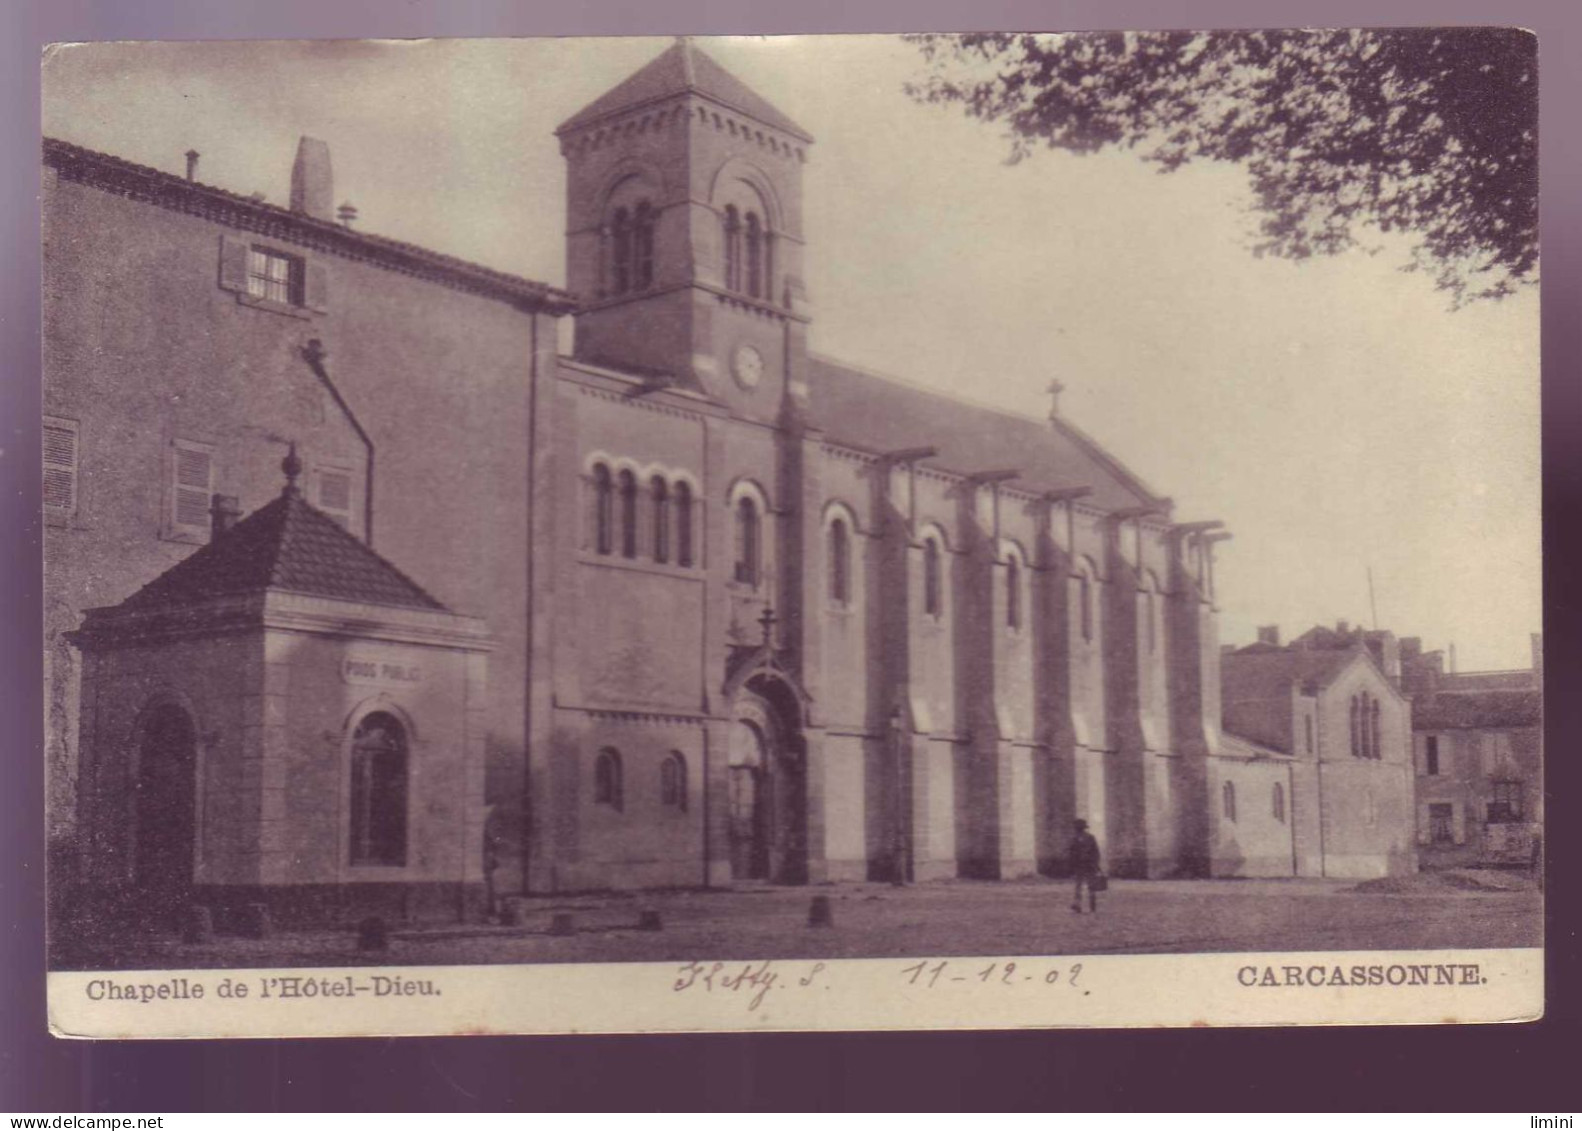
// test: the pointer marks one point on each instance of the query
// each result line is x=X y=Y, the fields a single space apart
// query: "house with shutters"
x=688 y=605
x=1478 y=748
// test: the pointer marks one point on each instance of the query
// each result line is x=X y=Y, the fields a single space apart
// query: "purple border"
x=1490 y=1068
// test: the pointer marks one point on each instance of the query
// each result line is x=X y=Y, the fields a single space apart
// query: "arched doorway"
x=767 y=795
x=165 y=807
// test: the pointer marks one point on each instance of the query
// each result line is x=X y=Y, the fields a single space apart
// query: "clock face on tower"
x=747 y=365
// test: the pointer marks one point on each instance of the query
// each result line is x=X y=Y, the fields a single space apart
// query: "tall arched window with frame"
x=1085 y=602
x=839 y=562
x=603 y=516
x=643 y=246
x=733 y=248
x=683 y=509
x=628 y=491
x=621 y=257
x=1356 y=726
x=1373 y=728
x=659 y=506
x=1013 y=592
x=933 y=588
x=755 y=256
x=1228 y=800
x=749 y=541
x=608 y=779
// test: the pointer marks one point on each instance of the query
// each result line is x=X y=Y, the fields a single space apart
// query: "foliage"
x=1432 y=132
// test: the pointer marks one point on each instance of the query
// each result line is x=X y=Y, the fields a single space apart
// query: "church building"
x=360 y=593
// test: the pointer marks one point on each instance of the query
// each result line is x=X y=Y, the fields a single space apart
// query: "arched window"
x=733 y=248
x=628 y=483
x=607 y=784
x=1151 y=612
x=932 y=597
x=839 y=562
x=603 y=509
x=1085 y=603
x=659 y=497
x=1013 y=593
x=749 y=541
x=1228 y=796
x=1277 y=802
x=755 y=254
x=643 y=247
x=1356 y=726
x=1308 y=721
x=379 y=791
x=622 y=230
x=683 y=525
x=673 y=780
x=1373 y=727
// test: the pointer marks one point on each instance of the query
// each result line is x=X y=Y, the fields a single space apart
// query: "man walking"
x=1084 y=855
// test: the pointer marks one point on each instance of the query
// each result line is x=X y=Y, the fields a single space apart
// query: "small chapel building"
x=694 y=605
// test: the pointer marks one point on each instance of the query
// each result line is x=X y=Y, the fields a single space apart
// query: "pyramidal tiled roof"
x=287 y=546
x=683 y=69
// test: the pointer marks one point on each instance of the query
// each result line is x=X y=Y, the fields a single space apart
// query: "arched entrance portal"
x=165 y=807
x=767 y=798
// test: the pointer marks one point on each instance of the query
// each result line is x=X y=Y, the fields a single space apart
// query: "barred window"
x=379 y=791
x=274 y=277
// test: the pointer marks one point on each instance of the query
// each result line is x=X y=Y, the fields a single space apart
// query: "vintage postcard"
x=809 y=533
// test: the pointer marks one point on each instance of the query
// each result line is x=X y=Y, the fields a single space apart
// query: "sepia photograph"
x=924 y=531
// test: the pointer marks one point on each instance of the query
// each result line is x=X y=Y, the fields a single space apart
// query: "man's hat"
x=1080 y=823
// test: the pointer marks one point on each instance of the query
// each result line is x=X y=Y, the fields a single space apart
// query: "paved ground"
x=950 y=918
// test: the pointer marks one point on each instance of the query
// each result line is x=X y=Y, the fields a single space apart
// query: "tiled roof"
x=287 y=546
x=1478 y=709
x=154 y=186
x=878 y=414
x=1251 y=675
x=683 y=69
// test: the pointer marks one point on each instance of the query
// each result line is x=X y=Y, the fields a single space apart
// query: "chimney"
x=1269 y=634
x=192 y=165
x=312 y=184
x=1452 y=659
x=1342 y=627
x=347 y=213
x=224 y=510
x=1411 y=648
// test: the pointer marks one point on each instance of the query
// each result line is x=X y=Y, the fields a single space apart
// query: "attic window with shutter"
x=60 y=469
x=334 y=494
x=191 y=488
x=272 y=278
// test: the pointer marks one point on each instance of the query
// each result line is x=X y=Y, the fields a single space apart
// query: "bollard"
x=255 y=921
x=373 y=934
x=199 y=924
x=562 y=924
x=649 y=921
x=819 y=913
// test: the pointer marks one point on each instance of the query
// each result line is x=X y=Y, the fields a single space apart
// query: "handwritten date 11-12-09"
x=756 y=980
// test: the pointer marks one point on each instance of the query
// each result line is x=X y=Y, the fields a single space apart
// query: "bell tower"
x=684 y=232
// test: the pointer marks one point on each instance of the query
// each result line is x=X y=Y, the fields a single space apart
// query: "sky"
x=1335 y=413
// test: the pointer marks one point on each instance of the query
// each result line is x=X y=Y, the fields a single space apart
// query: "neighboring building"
x=691 y=606
x=1478 y=749
x=1315 y=774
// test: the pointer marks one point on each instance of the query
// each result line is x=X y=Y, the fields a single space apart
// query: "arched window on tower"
x=1013 y=593
x=839 y=562
x=603 y=509
x=643 y=247
x=1356 y=726
x=628 y=483
x=755 y=256
x=683 y=525
x=1085 y=603
x=1228 y=797
x=933 y=598
x=621 y=229
x=379 y=792
x=1373 y=727
x=659 y=499
x=733 y=248
x=749 y=541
